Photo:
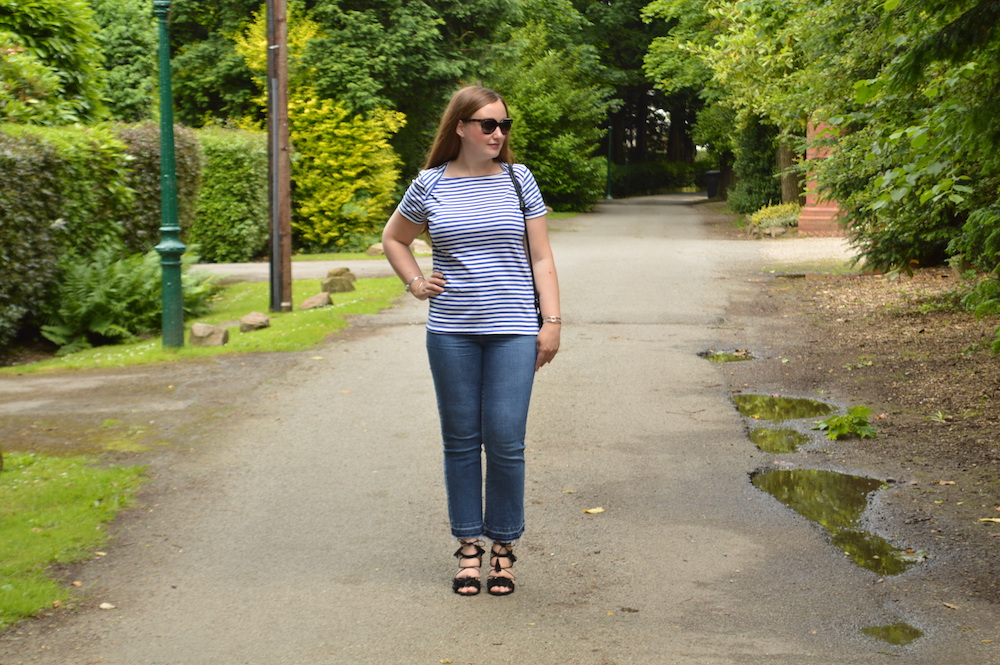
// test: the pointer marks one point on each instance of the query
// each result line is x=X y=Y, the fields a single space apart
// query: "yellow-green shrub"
x=784 y=214
x=344 y=173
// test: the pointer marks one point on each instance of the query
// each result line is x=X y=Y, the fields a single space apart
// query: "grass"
x=53 y=511
x=289 y=331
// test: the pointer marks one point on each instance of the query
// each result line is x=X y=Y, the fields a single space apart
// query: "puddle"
x=769 y=407
x=727 y=356
x=836 y=501
x=899 y=634
x=778 y=441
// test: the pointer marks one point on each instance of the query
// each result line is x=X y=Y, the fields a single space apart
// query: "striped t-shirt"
x=477 y=230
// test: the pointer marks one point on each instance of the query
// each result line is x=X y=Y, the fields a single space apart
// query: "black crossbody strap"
x=527 y=243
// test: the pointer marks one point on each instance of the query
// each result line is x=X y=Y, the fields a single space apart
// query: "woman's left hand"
x=547 y=344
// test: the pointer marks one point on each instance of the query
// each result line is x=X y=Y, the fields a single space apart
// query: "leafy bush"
x=344 y=171
x=231 y=224
x=54 y=40
x=756 y=185
x=92 y=194
x=110 y=299
x=28 y=254
x=128 y=39
x=783 y=214
x=140 y=231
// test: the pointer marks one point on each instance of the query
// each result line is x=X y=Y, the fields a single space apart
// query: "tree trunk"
x=791 y=184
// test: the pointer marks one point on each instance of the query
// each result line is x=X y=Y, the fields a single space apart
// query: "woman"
x=484 y=340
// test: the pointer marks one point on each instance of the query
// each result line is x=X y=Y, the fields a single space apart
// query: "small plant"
x=853 y=423
x=785 y=214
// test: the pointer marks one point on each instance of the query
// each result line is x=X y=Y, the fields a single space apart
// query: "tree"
x=406 y=56
x=211 y=82
x=128 y=37
x=555 y=89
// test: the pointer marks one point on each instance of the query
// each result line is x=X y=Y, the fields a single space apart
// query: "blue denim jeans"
x=483 y=385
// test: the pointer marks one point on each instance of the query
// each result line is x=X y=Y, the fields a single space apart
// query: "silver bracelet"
x=410 y=283
x=551 y=319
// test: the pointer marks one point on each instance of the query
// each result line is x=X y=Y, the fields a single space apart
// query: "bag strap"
x=524 y=213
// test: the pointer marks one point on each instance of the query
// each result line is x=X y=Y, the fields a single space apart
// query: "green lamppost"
x=170 y=248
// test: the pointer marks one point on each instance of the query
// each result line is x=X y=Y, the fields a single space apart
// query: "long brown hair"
x=464 y=103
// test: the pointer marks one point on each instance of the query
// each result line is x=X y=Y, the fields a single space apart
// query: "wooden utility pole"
x=280 y=189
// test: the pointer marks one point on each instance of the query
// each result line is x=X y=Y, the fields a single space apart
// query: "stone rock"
x=322 y=299
x=375 y=250
x=342 y=272
x=340 y=284
x=254 y=321
x=204 y=334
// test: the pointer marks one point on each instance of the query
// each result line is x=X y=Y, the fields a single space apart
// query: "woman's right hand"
x=434 y=285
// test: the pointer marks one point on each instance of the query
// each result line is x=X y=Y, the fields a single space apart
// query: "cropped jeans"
x=483 y=385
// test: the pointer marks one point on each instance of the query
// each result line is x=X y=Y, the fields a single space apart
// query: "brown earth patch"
x=904 y=348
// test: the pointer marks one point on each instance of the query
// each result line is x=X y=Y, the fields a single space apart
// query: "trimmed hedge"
x=67 y=191
x=231 y=224
x=141 y=230
x=28 y=207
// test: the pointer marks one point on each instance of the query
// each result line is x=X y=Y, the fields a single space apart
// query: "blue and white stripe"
x=477 y=230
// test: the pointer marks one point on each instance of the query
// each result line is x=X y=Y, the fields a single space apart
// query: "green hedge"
x=141 y=231
x=231 y=224
x=67 y=191
x=28 y=208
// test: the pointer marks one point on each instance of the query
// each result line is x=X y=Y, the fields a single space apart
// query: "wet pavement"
x=299 y=516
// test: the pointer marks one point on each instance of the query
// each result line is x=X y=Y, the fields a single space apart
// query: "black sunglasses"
x=489 y=125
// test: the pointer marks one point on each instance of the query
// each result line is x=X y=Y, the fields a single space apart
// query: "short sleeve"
x=413 y=204
x=533 y=201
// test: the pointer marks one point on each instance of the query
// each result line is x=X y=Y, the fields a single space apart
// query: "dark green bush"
x=141 y=231
x=92 y=195
x=651 y=178
x=232 y=214
x=757 y=184
x=29 y=205
x=109 y=299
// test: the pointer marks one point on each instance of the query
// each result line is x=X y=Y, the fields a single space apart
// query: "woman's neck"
x=459 y=167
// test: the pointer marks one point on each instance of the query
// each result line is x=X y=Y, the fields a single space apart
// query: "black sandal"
x=495 y=579
x=470 y=581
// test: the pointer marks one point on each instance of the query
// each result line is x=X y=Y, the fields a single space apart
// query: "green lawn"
x=289 y=331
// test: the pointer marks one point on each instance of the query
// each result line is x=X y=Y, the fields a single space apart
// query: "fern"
x=110 y=300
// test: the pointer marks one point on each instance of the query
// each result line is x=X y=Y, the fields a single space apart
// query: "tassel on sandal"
x=503 y=583
x=469 y=582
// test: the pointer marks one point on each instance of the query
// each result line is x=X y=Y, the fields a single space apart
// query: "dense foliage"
x=345 y=174
x=231 y=221
x=108 y=298
x=142 y=224
x=554 y=90
x=28 y=247
x=907 y=88
x=128 y=38
x=57 y=62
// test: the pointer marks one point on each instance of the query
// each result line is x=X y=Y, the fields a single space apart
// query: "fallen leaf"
x=574 y=492
x=951 y=607
x=991 y=519
x=592 y=511
x=107 y=606
x=946 y=482
x=100 y=553
x=77 y=583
